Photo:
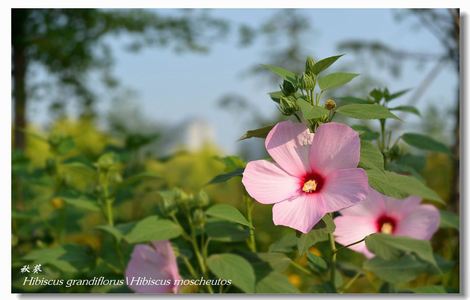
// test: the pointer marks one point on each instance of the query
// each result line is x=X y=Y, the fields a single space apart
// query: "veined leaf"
x=324 y=63
x=366 y=111
x=227 y=176
x=424 y=142
x=227 y=212
x=449 y=220
x=152 y=229
x=311 y=112
x=390 y=247
x=371 y=157
x=283 y=73
x=404 y=269
x=335 y=80
x=400 y=186
x=406 y=108
x=260 y=133
x=235 y=268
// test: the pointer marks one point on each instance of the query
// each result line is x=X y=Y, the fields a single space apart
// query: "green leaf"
x=138 y=178
x=115 y=232
x=276 y=96
x=318 y=234
x=335 y=80
x=400 y=186
x=430 y=289
x=285 y=244
x=152 y=229
x=68 y=258
x=449 y=220
x=224 y=231
x=283 y=73
x=365 y=111
x=406 y=108
x=235 y=268
x=277 y=261
x=365 y=132
x=389 y=97
x=228 y=213
x=259 y=133
x=232 y=162
x=371 y=157
x=316 y=263
x=390 y=247
x=323 y=64
x=353 y=100
x=227 y=176
x=424 y=142
x=311 y=112
x=82 y=203
x=404 y=269
x=412 y=186
x=275 y=283
x=378 y=181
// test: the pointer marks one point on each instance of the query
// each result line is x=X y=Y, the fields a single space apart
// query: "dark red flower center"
x=386 y=224
x=312 y=183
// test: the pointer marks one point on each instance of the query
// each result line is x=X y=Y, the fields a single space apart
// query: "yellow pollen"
x=310 y=186
x=387 y=228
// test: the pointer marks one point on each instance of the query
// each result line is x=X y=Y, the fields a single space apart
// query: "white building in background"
x=191 y=135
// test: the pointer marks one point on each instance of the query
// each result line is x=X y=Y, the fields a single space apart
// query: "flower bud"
x=199 y=218
x=167 y=204
x=309 y=66
x=202 y=200
x=57 y=202
x=306 y=82
x=288 y=88
x=330 y=104
x=288 y=105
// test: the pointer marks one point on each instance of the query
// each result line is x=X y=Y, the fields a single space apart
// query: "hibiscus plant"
x=349 y=208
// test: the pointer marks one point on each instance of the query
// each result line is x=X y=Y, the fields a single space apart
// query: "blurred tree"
x=70 y=43
x=444 y=25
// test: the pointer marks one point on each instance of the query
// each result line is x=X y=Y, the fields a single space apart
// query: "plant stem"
x=333 y=259
x=382 y=134
x=350 y=282
x=190 y=268
x=249 y=214
x=200 y=258
x=109 y=212
x=349 y=245
x=300 y=268
x=297 y=117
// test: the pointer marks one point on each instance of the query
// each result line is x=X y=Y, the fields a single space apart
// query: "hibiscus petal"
x=373 y=205
x=344 y=188
x=301 y=213
x=421 y=223
x=350 y=229
x=288 y=144
x=335 y=146
x=144 y=263
x=267 y=183
x=401 y=207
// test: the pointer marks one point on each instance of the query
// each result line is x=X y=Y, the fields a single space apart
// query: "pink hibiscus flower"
x=153 y=262
x=312 y=174
x=379 y=213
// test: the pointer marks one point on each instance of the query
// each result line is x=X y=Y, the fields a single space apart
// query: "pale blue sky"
x=172 y=88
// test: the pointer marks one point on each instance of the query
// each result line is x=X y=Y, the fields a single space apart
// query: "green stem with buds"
x=249 y=214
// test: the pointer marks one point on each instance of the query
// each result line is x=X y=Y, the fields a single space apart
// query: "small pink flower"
x=153 y=262
x=312 y=174
x=379 y=213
